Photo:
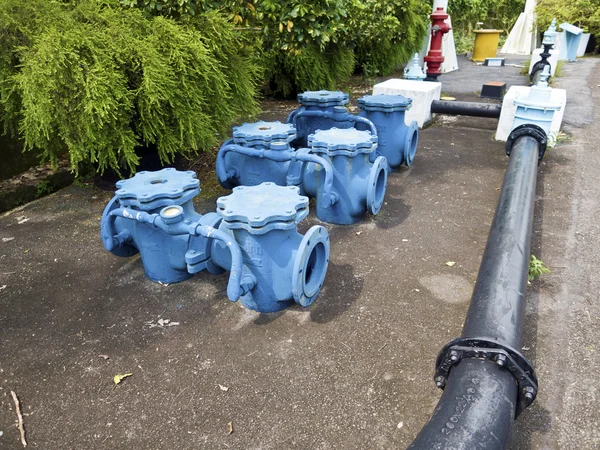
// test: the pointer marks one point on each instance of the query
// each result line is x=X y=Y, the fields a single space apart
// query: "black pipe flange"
x=528 y=129
x=503 y=355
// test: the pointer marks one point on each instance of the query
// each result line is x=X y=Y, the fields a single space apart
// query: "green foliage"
x=386 y=34
x=582 y=13
x=536 y=268
x=99 y=81
x=308 y=69
x=43 y=188
x=320 y=33
x=301 y=42
x=500 y=14
x=168 y=8
x=496 y=14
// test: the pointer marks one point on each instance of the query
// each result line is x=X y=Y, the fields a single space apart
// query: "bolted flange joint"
x=528 y=129
x=503 y=355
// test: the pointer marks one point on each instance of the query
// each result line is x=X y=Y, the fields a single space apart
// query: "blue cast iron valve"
x=382 y=115
x=152 y=213
x=360 y=183
x=322 y=110
x=396 y=141
x=279 y=152
x=341 y=169
x=291 y=268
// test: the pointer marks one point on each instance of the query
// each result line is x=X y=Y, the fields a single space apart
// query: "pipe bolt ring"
x=453 y=356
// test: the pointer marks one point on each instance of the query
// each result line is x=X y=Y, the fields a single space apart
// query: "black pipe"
x=486 y=380
x=466 y=108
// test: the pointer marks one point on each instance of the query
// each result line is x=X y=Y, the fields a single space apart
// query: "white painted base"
x=422 y=93
x=535 y=57
x=507 y=115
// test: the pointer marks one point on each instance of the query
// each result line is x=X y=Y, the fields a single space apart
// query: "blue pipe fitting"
x=290 y=268
x=359 y=184
x=320 y=110
x=253 y=235
x=247 y=170
x=261 y=152
x=396 y=141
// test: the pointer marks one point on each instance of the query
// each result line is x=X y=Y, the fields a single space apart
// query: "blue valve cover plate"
x=323 y=98
x=262 y=208
x=342 y=141
x=384 y=103
x=263 y=133
x=149 y=190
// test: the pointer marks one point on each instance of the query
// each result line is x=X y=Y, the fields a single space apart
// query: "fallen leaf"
x=223 y=388
x=358 y=233
x=118 y=378
x=8 y=239
x=4 y=286
x=450 y=263
x=230 y=426
x=163 y=284
x=22 y=219
x=103 y=356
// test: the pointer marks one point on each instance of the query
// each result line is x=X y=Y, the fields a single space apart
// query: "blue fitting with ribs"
x=383 y=115
x=397 y=141
x=253 y=235
x=337 y=170
x=359 y=184
x=322 y=110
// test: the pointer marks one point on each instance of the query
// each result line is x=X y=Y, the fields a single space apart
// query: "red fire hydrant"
x=434 y=58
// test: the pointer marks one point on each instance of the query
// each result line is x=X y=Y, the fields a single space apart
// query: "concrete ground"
x=355 y=369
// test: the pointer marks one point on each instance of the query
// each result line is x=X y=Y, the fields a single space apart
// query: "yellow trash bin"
x=486 y=44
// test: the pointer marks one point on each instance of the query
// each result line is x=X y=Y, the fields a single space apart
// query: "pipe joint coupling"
x=528 y=129
x=503 y=355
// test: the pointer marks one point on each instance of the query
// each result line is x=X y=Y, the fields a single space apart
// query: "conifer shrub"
x=97 y=80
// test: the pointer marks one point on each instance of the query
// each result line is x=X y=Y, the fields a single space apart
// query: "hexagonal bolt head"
x=529 y=391
x=440 y=381
x=501 y=360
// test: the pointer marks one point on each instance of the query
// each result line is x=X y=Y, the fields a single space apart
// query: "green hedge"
x=582 y=13
x=309 y=44
x=99 y=81
x=100 y=78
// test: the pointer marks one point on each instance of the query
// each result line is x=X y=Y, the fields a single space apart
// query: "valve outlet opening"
x=315 y=269
x=377 y=185
x=380 y=186
x=410 y=147
x=158 y=181
x=310 y=265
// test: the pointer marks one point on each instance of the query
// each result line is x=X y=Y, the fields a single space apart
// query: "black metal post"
x=487 y=381
x=538 y=67
x=466 y=108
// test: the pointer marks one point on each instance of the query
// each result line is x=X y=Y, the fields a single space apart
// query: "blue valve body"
x=253 y=235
